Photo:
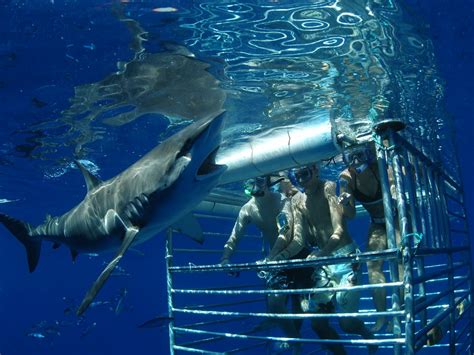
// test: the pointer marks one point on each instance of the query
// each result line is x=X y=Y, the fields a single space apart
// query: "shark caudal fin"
x=21 y=231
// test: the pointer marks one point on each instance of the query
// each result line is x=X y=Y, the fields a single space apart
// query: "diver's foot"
x=372 y=348
x=286 y=348
x=434 y=336
x=378 y=326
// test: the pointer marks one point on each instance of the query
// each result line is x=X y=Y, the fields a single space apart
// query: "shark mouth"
x=209 y=166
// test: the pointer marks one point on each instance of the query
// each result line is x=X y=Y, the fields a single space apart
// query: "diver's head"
x=285 y=186
x=304 y=176
x=359 y=158
x=258 y=186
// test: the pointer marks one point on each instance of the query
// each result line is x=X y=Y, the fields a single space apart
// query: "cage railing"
x=427 y=236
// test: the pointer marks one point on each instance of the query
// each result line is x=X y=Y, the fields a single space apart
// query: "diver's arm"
x=237 y=232
x=297 y=243
x=337 y=220
x=346 y=196
x=285 y=225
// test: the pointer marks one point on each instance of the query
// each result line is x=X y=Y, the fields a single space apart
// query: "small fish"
x=122 y=274
x=36 y=335
x=120 y=302
x=164 y=9
x=87 y=330
x=158 y=322
x=99 y=303
x=38 y=103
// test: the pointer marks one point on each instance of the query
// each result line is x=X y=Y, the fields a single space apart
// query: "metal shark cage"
x=214 y=313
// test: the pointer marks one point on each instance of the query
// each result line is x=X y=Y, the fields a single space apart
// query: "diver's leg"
x=357 y=326
x=324 y=331
x=348 y=302
x=377 y=241
x=277 y=304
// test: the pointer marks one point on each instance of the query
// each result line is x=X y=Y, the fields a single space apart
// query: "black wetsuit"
x=366 y=200
x=291 y=278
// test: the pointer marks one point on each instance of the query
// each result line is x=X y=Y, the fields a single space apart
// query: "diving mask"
x=256 y=187
x=358 y=158
x=299 y=177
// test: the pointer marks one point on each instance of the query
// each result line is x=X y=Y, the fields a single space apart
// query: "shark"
x=157 y=192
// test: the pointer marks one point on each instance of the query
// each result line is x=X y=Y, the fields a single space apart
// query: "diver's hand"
x=344 y=198
x=314 y=255
x=230 y=273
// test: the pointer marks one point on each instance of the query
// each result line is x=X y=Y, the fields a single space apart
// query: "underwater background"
x=77 y=81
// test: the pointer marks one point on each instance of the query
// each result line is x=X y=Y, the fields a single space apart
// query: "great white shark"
x=154 y=193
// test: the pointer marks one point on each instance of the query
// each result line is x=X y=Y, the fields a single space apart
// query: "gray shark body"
x=151 y=195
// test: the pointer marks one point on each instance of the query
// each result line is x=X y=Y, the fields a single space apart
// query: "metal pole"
x=380 y=135
x=169 y=285
x=445 y=226
x=406 y=242
x=414 y=213
x=434 y=208
x=279 y=149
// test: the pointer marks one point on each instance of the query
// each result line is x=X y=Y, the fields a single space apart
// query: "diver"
x=360 y=181
x=292 y=278
x=262 y=211
x=318 y=221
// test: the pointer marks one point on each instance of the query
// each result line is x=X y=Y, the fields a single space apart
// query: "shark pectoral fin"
x=189 y=225
x=130 y=235
x=91 y=180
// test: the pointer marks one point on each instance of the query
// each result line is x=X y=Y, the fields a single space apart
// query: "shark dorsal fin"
x=92 y=181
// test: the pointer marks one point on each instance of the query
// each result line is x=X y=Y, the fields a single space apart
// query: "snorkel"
x=358 y=158
x=299 y=176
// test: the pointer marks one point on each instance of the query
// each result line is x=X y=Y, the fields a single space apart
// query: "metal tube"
x=426 y=277
x=169 y=286
x=437 y=319
x=300 y=340
x=437 y=251
x=421 y=199
x=406 y=242
x=389 y=228
x=408 y=182
x=440 y=295
x=212 y=322
x=434 y=210
x=291 y=264
x=430 y=239
x=290 y=315
x=217 y=305
x=222 y=203
x=193 y=350
x=214 y=251
x=447 y=237
x=278 y=149
x=287 y=291
x=452 y=214
x=429 y=163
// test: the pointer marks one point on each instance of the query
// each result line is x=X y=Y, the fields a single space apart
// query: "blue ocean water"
x=51 y=50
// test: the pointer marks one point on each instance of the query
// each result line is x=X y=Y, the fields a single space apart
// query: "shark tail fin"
x=21 y=231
